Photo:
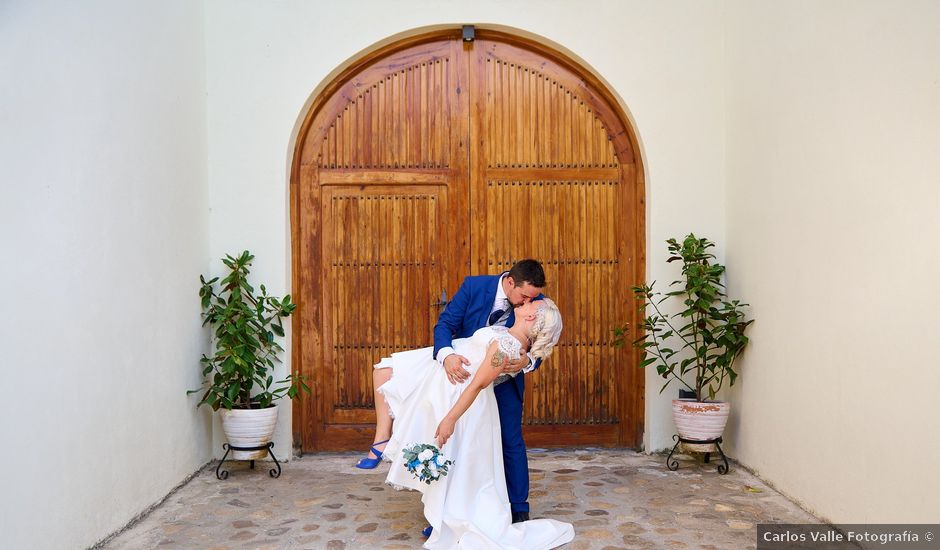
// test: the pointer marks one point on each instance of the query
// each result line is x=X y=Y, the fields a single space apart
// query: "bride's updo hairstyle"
x=546 y=330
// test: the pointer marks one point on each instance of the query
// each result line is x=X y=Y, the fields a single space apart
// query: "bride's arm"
x=489 y=369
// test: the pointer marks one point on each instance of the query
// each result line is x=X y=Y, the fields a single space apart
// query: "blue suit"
x=468 y=311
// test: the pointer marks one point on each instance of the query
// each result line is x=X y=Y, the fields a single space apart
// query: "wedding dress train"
x=469 y=507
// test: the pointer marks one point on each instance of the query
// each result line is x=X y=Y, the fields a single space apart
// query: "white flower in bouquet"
x=425 y=455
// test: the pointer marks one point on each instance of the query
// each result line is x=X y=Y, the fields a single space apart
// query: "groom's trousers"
x=509 y=396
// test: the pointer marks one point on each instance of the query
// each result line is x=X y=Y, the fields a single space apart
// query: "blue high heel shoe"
x=370 y=463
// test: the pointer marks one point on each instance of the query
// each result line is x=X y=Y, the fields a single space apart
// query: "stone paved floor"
x=614 y=498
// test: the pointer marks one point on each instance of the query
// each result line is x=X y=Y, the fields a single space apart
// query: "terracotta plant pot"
x=700 y=421
x=249 y=428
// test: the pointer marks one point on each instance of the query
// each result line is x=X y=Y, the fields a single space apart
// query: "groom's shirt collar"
x=499 y=302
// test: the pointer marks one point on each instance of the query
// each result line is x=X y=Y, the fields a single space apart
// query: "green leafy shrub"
x=245 y=328
x=706 y=336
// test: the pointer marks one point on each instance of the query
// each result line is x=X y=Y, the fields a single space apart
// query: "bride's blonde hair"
x=546 y=330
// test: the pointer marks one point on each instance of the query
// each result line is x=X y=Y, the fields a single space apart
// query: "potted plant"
x=238 y=375
x=704 y=337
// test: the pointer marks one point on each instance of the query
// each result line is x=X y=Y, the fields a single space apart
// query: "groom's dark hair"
x=528 y=271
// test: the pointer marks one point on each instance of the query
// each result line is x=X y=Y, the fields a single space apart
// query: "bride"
x=469 y=507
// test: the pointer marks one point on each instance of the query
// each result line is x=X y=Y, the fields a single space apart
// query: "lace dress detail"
x=509 y=345
x=386 y=363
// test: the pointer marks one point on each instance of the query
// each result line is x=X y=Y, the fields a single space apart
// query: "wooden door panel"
x=383 y=160
x=382 y=278
x=393 y=111
x=547 y=183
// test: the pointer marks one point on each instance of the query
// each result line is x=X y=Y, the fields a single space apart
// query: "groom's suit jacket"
x=468 y=311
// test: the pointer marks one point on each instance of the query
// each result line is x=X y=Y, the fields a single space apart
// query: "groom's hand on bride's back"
x=453 y=366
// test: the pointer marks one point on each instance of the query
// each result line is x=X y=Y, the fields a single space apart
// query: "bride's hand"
x=444 y=430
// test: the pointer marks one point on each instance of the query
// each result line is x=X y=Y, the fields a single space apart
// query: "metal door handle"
x=443 y=301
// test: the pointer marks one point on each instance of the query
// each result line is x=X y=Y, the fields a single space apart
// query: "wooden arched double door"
x=432 y=159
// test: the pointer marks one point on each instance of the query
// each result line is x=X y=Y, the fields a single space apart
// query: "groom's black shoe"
x=518 y=517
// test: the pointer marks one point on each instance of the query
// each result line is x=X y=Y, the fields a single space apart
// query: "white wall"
x=823 y=119
x=265 y=59
x=105 y=231
x=833 y=203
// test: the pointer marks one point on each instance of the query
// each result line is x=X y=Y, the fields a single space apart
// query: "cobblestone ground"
x=614 y=498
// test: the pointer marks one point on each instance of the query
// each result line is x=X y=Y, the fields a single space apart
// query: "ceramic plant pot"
x=700 y=421
x=249 y=428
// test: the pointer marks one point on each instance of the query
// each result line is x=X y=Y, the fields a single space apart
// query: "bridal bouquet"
x=425 y=462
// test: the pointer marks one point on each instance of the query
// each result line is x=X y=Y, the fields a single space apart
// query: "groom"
x=487 y=300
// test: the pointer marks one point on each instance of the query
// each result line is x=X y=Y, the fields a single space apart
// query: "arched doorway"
x=434 y=158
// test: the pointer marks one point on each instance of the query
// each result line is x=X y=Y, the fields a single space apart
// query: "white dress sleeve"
x=509 y=345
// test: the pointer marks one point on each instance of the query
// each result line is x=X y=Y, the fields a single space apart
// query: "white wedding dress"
x=469 y=507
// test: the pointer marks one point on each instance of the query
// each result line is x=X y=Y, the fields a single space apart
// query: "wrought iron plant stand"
x=673 y=464
x=223 y=474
